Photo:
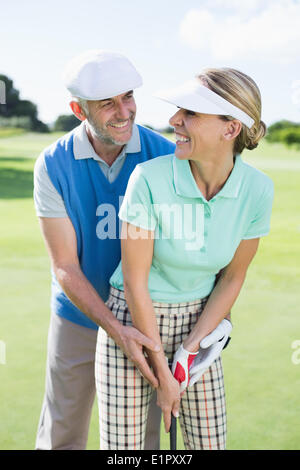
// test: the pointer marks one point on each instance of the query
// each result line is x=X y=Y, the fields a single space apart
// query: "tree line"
x=284 y=131
x=18 y=113
x=15 y=112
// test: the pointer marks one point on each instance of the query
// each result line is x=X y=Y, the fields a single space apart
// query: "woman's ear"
x=232 y=129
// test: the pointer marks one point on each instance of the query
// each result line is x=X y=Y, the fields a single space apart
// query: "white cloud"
x=272 y=33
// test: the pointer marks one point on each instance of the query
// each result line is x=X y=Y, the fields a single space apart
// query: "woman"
x=191 y=226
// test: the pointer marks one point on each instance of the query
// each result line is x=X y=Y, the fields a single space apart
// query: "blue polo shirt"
x=193 y=238
x=92 y=203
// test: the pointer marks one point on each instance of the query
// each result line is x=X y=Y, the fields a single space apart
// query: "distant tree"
x=291 y=136
x=66 y=122
x=283 y=131
x=283 y=124
x=149 y=127
x=276 y=131
x=13 y=107
x=168 y=130
x=11 y=97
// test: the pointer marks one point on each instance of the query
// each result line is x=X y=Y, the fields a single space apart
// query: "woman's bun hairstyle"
x=254 y=135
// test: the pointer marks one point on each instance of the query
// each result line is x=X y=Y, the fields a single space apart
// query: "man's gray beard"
x=105 y=138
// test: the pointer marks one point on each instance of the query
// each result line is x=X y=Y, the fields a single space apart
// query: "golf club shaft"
x=173 y=433
x=173 y=428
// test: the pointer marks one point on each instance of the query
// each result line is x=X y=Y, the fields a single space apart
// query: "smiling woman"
x=229 y=121
x=180 y=293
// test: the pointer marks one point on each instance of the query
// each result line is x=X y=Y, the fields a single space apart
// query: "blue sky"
x=168 y=40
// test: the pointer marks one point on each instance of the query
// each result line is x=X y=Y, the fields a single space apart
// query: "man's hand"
x=132 y=341
x=210 y=349
x=182 y=362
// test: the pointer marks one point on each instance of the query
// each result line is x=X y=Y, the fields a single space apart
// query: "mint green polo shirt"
x=193 y=238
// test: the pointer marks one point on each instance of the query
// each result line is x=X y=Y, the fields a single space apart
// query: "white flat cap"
x=100 y=74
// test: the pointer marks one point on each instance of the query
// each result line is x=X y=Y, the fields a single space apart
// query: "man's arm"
x=61 y=243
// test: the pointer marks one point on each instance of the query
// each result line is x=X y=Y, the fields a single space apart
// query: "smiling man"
x=78 y=181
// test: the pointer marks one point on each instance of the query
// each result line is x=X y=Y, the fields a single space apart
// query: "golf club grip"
x=173 y=433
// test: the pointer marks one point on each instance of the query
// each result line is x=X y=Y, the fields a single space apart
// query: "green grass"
x=262 y=383
x=10 y=131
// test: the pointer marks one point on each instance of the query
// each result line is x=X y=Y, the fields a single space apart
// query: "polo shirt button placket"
x=207 y=215
x=207 y=211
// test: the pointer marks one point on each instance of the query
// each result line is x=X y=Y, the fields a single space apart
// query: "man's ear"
x=77 y=110
x=232 y=130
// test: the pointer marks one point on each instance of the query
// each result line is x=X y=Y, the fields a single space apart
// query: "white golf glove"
x=210 y=349
x=181 y=364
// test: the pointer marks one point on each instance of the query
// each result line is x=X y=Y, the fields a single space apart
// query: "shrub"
x=291 y=136
x=66 y=123
x=284 y=131
x=23 y=122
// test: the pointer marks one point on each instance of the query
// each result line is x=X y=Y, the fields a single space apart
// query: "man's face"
x=111 y=120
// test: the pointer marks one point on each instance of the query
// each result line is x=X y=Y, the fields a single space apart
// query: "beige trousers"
x=70 y=390
x=124 y=395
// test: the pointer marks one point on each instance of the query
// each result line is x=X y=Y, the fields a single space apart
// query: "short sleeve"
x=260 y=223
x=48 y=202
x=137 y=207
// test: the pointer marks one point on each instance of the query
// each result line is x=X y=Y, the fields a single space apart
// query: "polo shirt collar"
x=185 y=184
x=82 y=148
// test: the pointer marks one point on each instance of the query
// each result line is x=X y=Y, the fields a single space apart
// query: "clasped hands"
x=189 y=367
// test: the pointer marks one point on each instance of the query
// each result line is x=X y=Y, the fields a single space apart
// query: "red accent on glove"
x=191 y=359
x=179 y=373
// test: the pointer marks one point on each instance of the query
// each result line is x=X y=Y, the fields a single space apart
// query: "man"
x=79 y=182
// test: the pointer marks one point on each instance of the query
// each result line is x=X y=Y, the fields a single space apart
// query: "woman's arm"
x=137 y=253
x=224 y=294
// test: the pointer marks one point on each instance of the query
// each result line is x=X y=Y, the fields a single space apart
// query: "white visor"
x=200 y=99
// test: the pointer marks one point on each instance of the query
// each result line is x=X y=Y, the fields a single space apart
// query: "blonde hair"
x=241 y=91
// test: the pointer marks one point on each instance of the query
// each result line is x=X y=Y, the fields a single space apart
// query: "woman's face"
x=197 y=134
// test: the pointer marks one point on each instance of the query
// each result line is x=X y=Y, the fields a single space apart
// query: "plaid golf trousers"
x=124 y=395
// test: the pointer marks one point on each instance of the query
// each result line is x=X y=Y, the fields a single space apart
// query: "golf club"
x=173 y=428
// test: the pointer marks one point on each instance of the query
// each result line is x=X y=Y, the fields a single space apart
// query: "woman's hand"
x=182 y=362
x=168 y=398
